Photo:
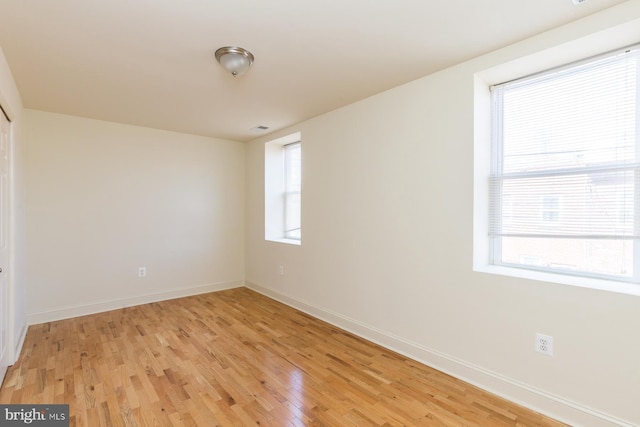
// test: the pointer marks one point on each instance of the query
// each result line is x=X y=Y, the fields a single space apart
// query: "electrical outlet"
x=281 y=269
x=544 y=344
x=142 y=271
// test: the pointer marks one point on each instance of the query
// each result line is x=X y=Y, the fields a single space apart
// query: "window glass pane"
x=596 y=256
x=594 y=203
x=292 y=208
x=293 y=184
x=582 y=117
x=565 y=174
x=293 y=167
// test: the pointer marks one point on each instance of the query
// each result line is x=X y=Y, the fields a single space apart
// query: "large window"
x=565 y=177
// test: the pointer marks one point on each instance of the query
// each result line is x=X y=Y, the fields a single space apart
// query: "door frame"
x=10 y=356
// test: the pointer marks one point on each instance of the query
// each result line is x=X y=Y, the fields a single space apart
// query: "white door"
x=5 y=315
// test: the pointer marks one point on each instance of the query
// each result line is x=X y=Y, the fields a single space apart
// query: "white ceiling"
x=150 y=62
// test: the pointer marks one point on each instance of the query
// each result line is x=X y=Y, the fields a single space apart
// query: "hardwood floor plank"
x=237 y=358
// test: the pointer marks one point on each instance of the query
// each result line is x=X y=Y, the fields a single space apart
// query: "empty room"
x=284 y=213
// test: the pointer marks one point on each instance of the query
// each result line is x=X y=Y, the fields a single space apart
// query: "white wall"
x=12 y=103
x=387 y=249
x=104 y=199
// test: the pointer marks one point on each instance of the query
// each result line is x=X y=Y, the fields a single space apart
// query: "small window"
x=550 y=209
x=283 y=189
x=292 y=186
x=565 y=170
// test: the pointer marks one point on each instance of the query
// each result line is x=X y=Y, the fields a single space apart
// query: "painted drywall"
x=104 y=199
x=12 y=103
x=388 y=237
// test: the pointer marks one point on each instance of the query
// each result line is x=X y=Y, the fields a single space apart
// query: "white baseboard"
x=99 y=307
x=523 y=394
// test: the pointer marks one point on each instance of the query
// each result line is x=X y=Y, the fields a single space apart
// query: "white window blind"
x=293 y=184
x=565 y=181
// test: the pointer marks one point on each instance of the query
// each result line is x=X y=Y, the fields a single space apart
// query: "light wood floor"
x=237 y=358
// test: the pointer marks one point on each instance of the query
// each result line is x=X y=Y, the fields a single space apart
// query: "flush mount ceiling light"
x=235 y=60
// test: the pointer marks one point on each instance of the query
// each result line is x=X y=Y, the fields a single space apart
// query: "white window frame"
x=275 y=190
x=289 y=193
x=509 y=65
x=496 y=243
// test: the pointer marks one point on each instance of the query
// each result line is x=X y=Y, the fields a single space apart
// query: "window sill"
x=286 y=241
x=582 y=282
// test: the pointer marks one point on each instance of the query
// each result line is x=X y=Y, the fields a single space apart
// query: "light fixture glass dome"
x=235 y=60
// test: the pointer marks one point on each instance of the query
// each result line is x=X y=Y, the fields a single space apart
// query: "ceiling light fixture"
x=235 y=60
